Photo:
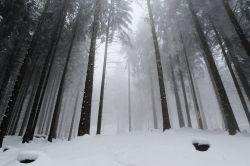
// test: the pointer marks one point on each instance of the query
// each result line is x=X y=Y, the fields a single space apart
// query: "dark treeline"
x=48 y=49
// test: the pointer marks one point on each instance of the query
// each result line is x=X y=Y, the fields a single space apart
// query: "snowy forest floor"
x=171 y=148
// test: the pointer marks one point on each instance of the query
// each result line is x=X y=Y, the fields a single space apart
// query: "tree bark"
x=184 y=92
x=45 y=75
x=229 y=64
x=84 y=124
x=245 y=43
x=129 y=100
x=56 y=114
x=152 y=93
x=191 y=82
x=165 y=115
x=177 y=96
x=99 y=121
x=230 y=121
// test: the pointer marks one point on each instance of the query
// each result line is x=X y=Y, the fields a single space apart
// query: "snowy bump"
x=201 y=145
x=29 y=157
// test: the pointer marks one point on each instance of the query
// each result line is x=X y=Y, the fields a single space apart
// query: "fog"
x=169 y=64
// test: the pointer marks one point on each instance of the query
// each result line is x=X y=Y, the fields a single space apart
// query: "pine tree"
x=245 y=43
x=29 y=133
x=230 y=121
x=84 y=124
x=191 y=82
x=55 y=117
x=230 y=67
x=166 y=121
x=176 y=93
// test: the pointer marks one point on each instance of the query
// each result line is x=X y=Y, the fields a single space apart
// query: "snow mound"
x=31 y=158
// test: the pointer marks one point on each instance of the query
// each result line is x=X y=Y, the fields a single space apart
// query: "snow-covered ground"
x=172 y=148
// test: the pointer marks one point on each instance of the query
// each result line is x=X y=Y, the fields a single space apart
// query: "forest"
x=71 y=68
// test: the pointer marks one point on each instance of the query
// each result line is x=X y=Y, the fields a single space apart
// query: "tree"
x=191 y=82
x=180 y=73
x=177 y=96
x=166 y=122
x=118 y=19
x=245 y=43
x=18 y=23
x=29 y=133
x=230 y=121
x=55 y=117
x=230 y=67
x=84 y=124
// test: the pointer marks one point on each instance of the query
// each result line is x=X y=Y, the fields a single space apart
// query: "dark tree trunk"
x=166 y=121
x=245 y=43
x=184 y=92
x=99 y=121
x=45 y=75
x=23 y=69
x=191 y=81
x=177 y=97
x=236 y=63
x=28 y=109
x=10 y=76
x=55 y=118
x=28 y=56
x=84 y=124
x=229 y=64
x=230 y=121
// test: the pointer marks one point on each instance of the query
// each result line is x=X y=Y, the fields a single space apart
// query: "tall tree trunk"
x=245 y=43
x=165 y=115
x=11 y=103
x=129 y=100
x=29 y=133
x=84 y=124
x=184 y=92
x=191 y=81
x=229 y=64
x=177 y=97
x=56 y=114
x=236 y=63
x=230 y=123
x=73 y=118
x=99 y=121
x=23 y=69
x=152 y=93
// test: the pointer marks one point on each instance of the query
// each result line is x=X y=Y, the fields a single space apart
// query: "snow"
x=173 y=147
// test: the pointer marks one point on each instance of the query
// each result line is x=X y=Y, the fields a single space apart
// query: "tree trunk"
x=191 y=81
x=237 y=65
x=23 y=69
x=84 y=124
x=99 y=121
x=165 y=115
x=184 y=92
x=129 y=100
x=152 y=93
x=230 y=123
x=245 y=43
x=45 y=75
x=177 y=97
x=73 y=118
x=56 y=114
x=228 y=62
